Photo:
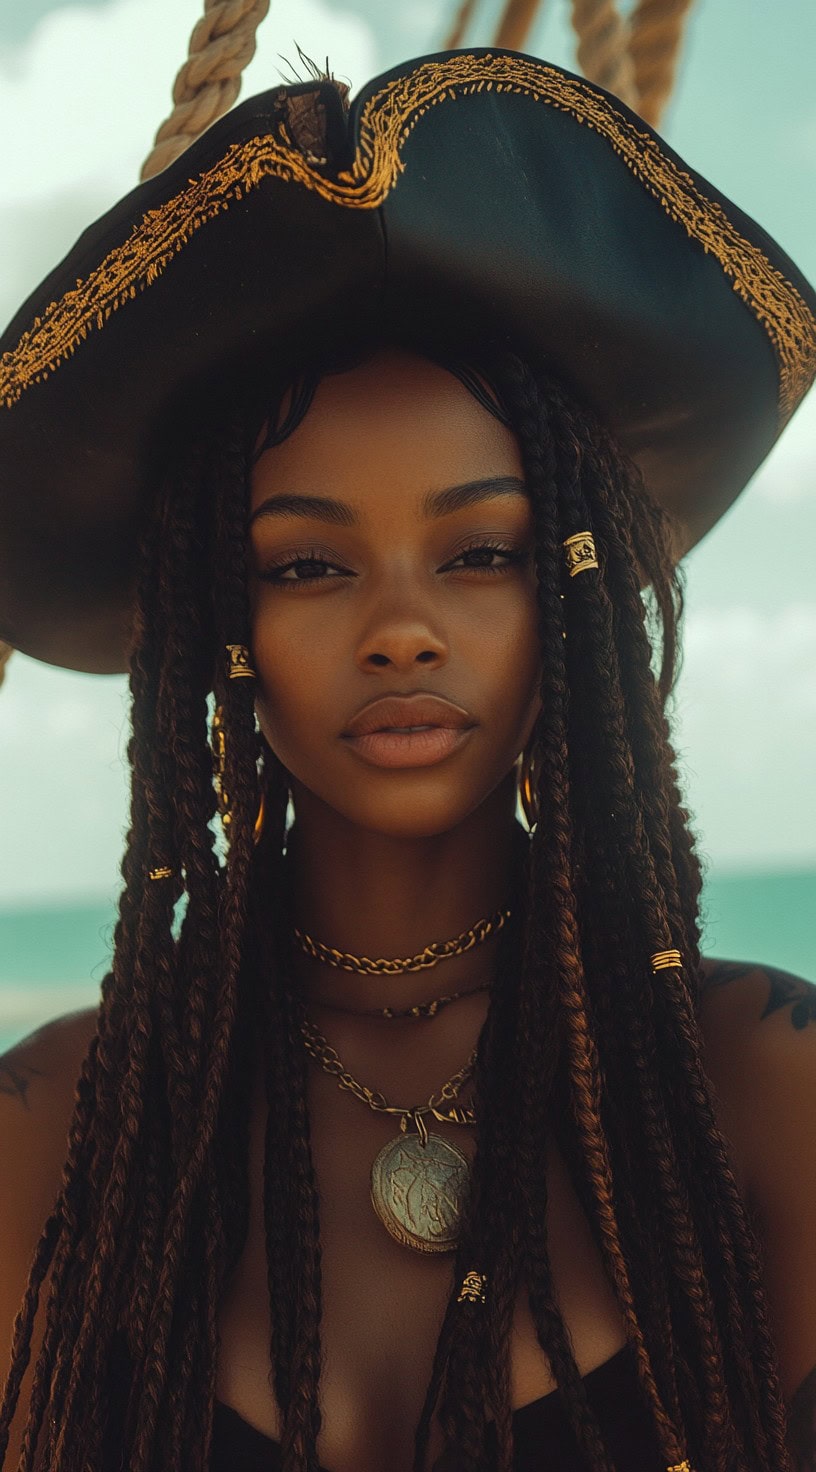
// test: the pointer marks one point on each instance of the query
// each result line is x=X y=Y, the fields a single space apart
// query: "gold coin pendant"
x=420 y=1192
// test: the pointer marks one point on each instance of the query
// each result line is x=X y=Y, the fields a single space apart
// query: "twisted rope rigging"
x=635 y=58
x=221 y=45
x=603 y=48
x=462 y=20
x=516 y=24
x=656 y=33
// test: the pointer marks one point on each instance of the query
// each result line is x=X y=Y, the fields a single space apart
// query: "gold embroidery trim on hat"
x=386 y=122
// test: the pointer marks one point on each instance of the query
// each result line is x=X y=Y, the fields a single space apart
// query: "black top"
x=540 y=1428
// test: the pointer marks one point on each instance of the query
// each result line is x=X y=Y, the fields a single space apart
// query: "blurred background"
x=83 y=88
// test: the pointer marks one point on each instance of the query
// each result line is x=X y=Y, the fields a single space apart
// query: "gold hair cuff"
x=218 y=747
x=663 y=960
x=472 y=1289
x=161 y=873
x=580 y=553
x=239 y=665
x=684 y=1466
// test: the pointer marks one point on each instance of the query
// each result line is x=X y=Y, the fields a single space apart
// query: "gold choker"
x=438 y=950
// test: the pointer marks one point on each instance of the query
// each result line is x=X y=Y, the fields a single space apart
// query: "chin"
x=411 y=815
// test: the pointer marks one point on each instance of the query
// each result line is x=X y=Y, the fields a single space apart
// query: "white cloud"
x=84 y=95
x=733 y=648
x=63 y=783
x=788 y=476
x=745 y=725
x=800 y=135
x=82 y=99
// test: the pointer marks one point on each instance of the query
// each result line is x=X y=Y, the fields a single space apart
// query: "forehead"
x=394 y=421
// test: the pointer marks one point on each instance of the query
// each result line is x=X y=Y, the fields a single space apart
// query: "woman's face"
x=391 y=554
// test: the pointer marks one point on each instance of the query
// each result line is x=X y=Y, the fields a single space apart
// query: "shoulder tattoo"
x=15 y=1078
x=784 y=989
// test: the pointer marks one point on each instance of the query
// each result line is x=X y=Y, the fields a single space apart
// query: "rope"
x=222 y=44
x=603 y=48
x=656 y=31
x=516 y=24
x=464 y=15
x=635 y=58
x=6 y=652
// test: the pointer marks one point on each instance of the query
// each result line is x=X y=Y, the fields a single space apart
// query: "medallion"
x=420 y=1192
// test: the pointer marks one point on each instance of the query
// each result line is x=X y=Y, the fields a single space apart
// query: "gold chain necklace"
x=431 y=955
x=419 y=1183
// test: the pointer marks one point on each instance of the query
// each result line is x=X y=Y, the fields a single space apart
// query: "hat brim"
x=473 y=196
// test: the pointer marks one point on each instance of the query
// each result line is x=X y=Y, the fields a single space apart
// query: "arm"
x=760 y=1029
x=37 y=1090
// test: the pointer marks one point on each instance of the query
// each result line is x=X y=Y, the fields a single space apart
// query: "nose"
x=399 y=640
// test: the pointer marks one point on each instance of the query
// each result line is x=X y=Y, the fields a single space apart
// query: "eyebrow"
x=434 y=504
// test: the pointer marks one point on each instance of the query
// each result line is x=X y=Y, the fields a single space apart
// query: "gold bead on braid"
x=239 y=665
x=438 y=950
x=160 y=873
x=473 y=1288
x=579 y=553
x=665 y=960
x=684 y=1466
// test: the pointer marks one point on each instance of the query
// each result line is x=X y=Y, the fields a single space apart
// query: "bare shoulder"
x=38 y=1078
x=758 y=1024
x=759 y=1028
x=35 y=1072
x=750 y=992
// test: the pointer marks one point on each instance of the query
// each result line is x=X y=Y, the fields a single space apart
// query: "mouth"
x=407 y=713
x=408 y=746
x=413 y=730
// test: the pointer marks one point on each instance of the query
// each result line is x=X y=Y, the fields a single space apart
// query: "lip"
x=409 y=748
x=399 y=711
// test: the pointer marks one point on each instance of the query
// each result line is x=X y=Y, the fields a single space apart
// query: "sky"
x=83 y=88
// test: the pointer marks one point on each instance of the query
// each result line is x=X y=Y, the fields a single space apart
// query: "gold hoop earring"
x=259 y=821
x=526 y=790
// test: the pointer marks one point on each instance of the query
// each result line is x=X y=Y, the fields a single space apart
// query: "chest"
x=383 y=1303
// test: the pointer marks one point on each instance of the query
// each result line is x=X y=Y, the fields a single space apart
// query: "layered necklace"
x=420 y=1182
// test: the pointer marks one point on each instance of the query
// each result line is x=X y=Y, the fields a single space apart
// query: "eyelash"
x=274 y=574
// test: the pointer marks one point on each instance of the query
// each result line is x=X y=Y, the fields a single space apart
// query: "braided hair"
x=580 y=1036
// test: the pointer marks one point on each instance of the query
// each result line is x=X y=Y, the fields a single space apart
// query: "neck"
x=378 y=895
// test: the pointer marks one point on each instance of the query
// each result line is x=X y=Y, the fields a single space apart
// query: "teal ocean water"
x=53 y=960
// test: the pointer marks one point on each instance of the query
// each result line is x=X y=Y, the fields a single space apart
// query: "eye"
x=309 y=567
x=478 y=558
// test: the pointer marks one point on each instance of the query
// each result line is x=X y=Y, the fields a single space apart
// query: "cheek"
x=506 y=644
x=298 y=661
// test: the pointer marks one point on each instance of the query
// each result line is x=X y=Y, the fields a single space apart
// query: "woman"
x=397 y=1114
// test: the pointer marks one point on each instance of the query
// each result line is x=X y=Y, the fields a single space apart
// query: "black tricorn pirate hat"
x=472 y=193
